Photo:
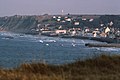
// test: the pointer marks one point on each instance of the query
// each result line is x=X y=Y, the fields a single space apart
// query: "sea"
x=17 y=49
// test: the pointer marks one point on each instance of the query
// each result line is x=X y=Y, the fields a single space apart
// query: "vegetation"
x=100 y=68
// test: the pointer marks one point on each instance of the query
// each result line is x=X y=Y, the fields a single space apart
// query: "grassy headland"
x=100 y=68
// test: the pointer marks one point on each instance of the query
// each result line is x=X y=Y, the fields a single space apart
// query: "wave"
x=108 y=49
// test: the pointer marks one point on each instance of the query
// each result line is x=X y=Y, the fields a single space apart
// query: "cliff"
x=21 y=24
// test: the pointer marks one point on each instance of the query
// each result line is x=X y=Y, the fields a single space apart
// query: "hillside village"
x=64 y=25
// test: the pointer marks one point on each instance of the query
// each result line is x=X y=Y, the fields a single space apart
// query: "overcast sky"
x=39 y=7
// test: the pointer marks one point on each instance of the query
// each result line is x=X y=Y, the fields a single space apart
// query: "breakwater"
x=102 y=45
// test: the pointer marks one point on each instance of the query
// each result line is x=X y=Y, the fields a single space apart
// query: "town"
x=68 y=26
x=103 y=28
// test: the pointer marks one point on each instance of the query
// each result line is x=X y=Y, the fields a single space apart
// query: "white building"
x=68 y=19
x=107 y=30
x=61 y=31
x=95 y=33
x=59 y=17
x=76 y=23
x=58 y=20
x=91 y=20
x=111 y=23
x=54 y=17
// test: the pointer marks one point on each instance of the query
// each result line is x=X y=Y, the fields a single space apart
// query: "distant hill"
x=24 y=24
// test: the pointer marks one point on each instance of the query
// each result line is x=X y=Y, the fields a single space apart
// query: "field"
x=99 y=68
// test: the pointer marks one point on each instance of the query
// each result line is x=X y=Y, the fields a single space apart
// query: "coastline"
x=101 y=39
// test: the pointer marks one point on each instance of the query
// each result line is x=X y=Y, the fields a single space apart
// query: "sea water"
x=20 y=48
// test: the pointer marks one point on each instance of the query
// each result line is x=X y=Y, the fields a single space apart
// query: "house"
x=61 y=31
x=103 y=34
x=47 y=31
x=87 y=30
x=117 y=33
x=107 y=30
x=111 y=23
x=58 y=19
x=76 y=23
x=91 y=20
x=95 y=33
x=68 y=19
x=54 y=17
x=73 y=33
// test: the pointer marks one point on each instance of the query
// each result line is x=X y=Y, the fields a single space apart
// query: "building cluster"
x=75 y=29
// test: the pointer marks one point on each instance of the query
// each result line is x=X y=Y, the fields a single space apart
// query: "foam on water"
x=112 y=49
x=28 y=47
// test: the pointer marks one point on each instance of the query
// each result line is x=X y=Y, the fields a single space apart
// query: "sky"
x=40 y=7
